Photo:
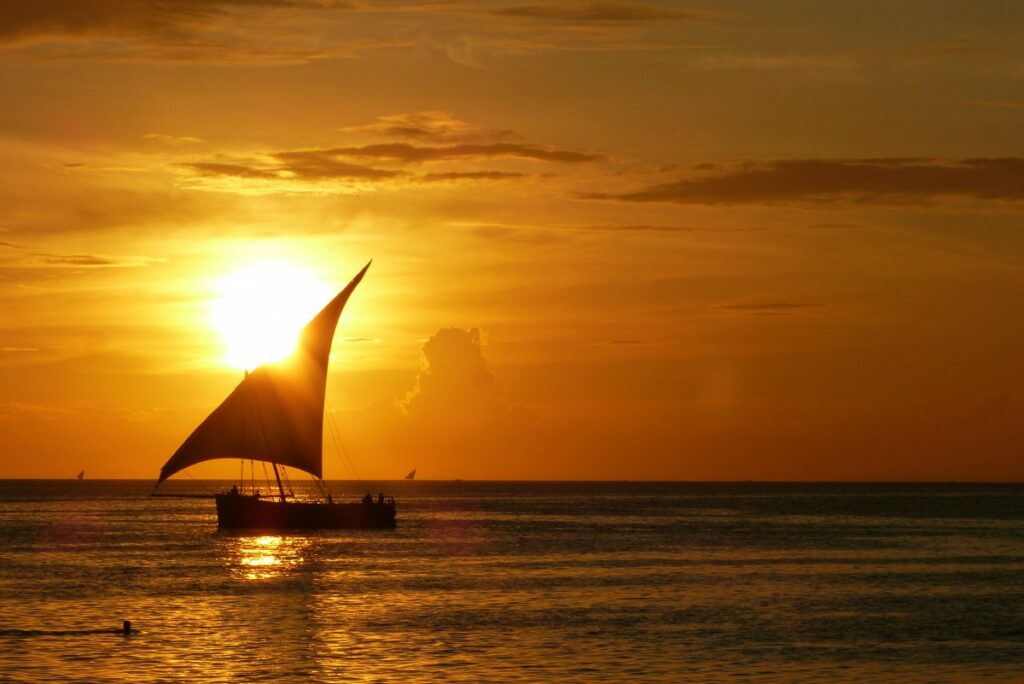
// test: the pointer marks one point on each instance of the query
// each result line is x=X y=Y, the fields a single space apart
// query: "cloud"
x=433 y=127
x=300 y=31
x=288 y=170
x=630 y=343
x=471 y=175
x=236 y=31
x=642 y=228
x=603 y=12
x=769 y=307
x=878 y=181
x=455 y=417
x=236 y=170
x=320 y=165
x=173 y=139
x=998 y=104
x=296 y=165
x=129 y=18
x=405 y=152
x=98 y=261
x=456 y=384
x=756 y=62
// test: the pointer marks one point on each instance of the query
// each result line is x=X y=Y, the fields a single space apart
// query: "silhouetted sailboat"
x=275 y=415
x=80 y=475
x=412 y=475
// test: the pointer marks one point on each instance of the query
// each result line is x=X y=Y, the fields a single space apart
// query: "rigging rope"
x=339 y=444
x=266 y=476
x=187 y=474
x=284 y=476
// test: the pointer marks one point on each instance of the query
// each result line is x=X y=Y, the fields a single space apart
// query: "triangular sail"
x=276 y=413
x=412 y=475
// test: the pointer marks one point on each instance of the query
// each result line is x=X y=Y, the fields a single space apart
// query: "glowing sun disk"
x=260 y=310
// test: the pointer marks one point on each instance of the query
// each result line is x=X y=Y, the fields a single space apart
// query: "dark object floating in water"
x=126 y=629
x=275 y=415
x=412 y=475
x=79 y=476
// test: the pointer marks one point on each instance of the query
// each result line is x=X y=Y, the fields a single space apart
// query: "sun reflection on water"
x=266 y=557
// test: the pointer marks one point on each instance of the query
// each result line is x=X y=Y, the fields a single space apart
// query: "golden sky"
x=643 y=240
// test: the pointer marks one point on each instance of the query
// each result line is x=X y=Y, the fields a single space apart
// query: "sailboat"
x=275 y=415
x=80 y=475
x=412 y=475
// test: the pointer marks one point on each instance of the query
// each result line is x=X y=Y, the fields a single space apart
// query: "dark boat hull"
x=241 y=512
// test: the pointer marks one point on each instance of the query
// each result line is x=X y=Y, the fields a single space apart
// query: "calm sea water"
x=521 y=581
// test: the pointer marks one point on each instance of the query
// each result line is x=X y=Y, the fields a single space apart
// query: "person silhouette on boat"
x=234 y=490
x=368 y=499
x=380 y=498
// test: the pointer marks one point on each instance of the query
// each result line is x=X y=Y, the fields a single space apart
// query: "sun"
x=260 y=309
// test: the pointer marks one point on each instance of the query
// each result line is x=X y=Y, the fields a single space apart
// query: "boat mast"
x=277 y=475
x=280 y=487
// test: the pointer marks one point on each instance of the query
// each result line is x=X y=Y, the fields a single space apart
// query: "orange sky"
x=611 y=240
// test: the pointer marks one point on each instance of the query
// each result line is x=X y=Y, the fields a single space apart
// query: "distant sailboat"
x=80 y=475
x=275 y=415
x=412 y=475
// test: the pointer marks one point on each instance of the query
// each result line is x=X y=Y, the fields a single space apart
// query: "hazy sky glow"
x=740 y=240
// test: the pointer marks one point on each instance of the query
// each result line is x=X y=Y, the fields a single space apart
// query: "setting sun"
x=260 y=309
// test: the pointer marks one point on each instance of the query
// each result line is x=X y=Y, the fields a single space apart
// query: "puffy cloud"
x=456 y=384
x=880 y=181
x=456 y=421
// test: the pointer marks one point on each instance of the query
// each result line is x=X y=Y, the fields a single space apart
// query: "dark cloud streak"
x=96 y=260
x=405 y=152
x=471 y=175
x=769 y=307
x=602 y=12
x=130 y=18
x=877 y=181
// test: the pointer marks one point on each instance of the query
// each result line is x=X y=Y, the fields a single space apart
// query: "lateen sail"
x=412 y=475
x=276 y=413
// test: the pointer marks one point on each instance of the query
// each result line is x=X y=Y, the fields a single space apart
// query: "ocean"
x=520 y=581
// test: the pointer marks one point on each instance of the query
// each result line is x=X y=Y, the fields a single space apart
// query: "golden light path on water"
x=266 y=557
